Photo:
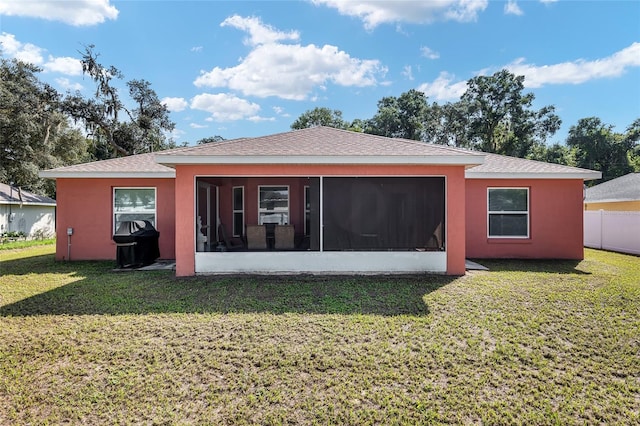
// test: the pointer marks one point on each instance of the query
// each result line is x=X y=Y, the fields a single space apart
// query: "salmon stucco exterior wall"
x=86 y=205
x=185 y=200
x=555 y=220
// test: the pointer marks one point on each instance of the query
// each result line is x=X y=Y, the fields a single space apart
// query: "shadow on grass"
x=533 y=265
x=98 y=290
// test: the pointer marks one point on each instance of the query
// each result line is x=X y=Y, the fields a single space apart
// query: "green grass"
x=530 y=342
x=12 y=245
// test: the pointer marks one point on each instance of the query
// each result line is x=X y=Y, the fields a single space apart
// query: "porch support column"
x=455 y=224
x=185 y=222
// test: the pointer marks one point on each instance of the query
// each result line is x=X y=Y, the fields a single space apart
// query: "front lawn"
x=530 y=342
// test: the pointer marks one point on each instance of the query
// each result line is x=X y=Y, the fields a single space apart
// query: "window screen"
x=383 y=213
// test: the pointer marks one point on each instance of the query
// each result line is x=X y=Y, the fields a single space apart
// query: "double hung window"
x=508 y=212
x=273 y=204
x=238 y=211
x=133 y=204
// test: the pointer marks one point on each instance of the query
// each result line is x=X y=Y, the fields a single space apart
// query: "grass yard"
x=530 y=342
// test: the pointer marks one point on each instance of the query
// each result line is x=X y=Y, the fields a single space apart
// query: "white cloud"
x=292 y=71
x=444 y=88
x=64 y=65
x=579 y=71
x=224 y=107
x=197 y=49
x=512 y=8
x=258 y=119
x=33 y=54
x=429 y=53
x=407 y=72
x=576 y=72
x=175 y=104
x=77 y=12
x=198 y=126
x=259 y=33
x=375 y=12
x=67 y=84
x=25 y=52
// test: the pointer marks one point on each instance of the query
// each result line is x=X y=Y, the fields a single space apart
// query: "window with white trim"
x=133 y=204
x=307 y=210
x=273 y=204
x=238 y=211
x=508 y=212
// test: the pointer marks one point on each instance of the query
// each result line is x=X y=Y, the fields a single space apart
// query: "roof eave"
x=27 y=203
x=584 y=175
x=53 y=174
x=466 y=160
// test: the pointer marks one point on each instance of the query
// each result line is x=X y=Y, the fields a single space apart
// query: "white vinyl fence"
x=616 y=231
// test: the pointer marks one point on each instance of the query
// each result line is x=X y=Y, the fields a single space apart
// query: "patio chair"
x=233 y=244
x=284 y=237
x=256 y=237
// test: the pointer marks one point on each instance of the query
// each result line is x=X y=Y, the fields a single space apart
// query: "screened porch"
x=314 y=224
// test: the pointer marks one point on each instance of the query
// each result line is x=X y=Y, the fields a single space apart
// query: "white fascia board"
x=354 y=159
x=52 y=174
x=25 y=203
x=470 y=174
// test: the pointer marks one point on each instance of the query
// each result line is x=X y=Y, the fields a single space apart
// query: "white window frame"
x=307 y=210
x=261 y=210
x=144 y=212
x=236 y=211
x=520 y=212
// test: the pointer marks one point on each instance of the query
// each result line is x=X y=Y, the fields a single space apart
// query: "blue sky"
x=240 y=68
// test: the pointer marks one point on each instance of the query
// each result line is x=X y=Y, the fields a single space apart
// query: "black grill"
x=136 y=244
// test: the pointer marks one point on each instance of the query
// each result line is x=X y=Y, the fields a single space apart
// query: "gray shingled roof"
x=623 y=188
x=9 y=195
x=501 y=165
x=319 y=144
x=142 y=165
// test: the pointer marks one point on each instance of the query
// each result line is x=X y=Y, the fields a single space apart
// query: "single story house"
x=354 y=202
x=26 y=212
x=620 y=194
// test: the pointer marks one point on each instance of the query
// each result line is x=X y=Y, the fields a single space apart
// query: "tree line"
x=41 y=128
x=495 y=115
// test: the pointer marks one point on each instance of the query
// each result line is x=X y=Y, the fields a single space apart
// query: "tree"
x=446 y=125
x=500 y=118
x=216 y=138
x=320 y=116
x=401 y=117
x=556 y=153
x=596 y=146
x=632 y=140
x=141 y=131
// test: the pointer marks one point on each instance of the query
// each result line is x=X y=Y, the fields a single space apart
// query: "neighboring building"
x=619 y=194
x=358 y=203
x=612 y=215
x=23 y=211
